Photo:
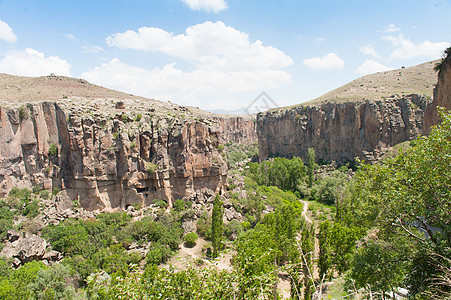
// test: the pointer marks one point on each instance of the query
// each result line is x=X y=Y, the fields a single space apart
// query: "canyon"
x=108 y=150
x=109 y=153
x=343 y=124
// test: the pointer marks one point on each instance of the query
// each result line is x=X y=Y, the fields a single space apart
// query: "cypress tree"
x=311 y=165
x=217 y=225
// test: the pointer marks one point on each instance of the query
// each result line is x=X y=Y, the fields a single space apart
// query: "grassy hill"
x=418 y=79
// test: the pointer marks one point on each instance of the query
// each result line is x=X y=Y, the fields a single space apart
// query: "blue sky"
x=220 y=54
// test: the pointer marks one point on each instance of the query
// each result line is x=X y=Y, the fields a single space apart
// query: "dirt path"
x=305 y=210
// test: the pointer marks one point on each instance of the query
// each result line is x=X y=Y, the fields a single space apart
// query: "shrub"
x=179 y=204
x=53 y=150
x=151 y=168
x=191 y=239
x=132 y=145
x=138 y=117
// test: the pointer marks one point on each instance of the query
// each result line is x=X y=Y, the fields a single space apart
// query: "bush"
x=151 y=168
x=53 y=150
x=191 y=239
x=138 y=117
x=179 y=204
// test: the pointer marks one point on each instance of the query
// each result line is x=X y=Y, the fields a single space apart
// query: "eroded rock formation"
x=341 y=131
x=110 y=161
x=442 y=95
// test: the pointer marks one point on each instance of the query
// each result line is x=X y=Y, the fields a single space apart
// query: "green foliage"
x=53 y=150
x=311 y=165
x=281 y=172
x=407 y=196
x=439 y=66
x=191 y=239
x=179 y=205
x=217 y=225
x=308 y=248
x=151 y=168
x=237 y=153
x=51 y=283
x=138 y=117
x=204 y=226
x=115 y=136
x=330 y=188
x=132 y=145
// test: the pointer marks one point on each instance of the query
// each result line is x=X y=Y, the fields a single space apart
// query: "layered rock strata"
x=341 y=131
x=113 y=161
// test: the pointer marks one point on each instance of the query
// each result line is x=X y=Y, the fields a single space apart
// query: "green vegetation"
x=53 y=150
x=237 y=153
x=217 y=225
x=191 y=239
x=151 y=168
x=310 y=165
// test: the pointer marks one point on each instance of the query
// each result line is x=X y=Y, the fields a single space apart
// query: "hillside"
x=419 y=79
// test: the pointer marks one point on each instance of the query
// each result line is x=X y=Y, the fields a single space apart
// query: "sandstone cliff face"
x=237 y=130
x=442 y=95
x=105 y=161
x=342 y=131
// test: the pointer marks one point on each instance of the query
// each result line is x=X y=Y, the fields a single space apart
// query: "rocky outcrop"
x=25 y=247
x=237 y=130
x=111 y=161
x=442 y=95
x=341 y=131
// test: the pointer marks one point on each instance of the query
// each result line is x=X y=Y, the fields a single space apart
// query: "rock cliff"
x=343 y=124
x=341 y=131
x=442 y=93
x=110 y=153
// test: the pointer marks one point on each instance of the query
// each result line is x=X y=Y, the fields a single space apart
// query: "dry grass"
x=418 y=79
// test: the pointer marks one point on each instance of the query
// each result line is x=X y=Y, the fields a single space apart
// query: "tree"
x=217 y=225
x=310 y=165
x=308 y=248
x=408 y=196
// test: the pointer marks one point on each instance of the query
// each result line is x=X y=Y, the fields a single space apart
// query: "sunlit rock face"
x=341 y=131
x=442 y=95
x=113 y=161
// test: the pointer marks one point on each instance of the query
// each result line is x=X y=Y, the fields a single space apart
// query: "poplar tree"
x=217 y=225
x=311 y=165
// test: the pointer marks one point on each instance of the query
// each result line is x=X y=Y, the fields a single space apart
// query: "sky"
x=220 y=54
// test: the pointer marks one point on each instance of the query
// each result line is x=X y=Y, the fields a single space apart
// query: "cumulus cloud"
x=91 y=49
x=369 y=50
x=207 y=5
x=33 y=63
x=391 y=28
x=405 y=48
x=371 y=66
x=208 y=45
x=6 y=33
x=198 y=87
x=329 y=61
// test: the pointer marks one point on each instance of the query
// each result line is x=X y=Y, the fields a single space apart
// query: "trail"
x=304 y=211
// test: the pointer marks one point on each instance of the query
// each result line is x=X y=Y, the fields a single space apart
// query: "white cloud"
x=33 y=63
x=91 y=49
x=209 y=45
x=319 y=39
x=201 y=87
x=329 y=61
x=70 y=37
x=207 y=5
x=391 y=28
x=223 y=62
x=6 y=33
x=405 y=48
x=369 y=50
x=370 y=66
